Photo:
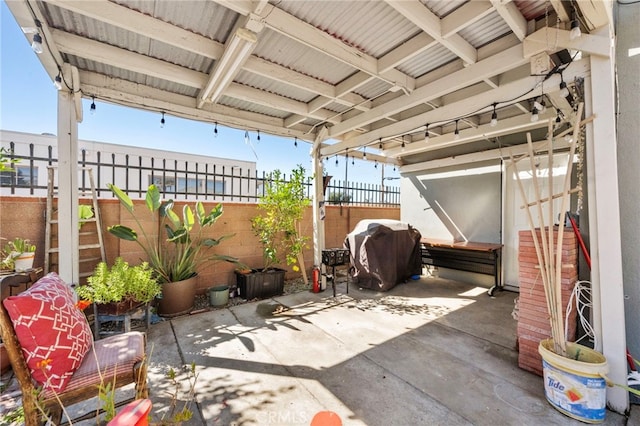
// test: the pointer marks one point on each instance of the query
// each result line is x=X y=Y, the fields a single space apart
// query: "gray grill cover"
x=384 y=253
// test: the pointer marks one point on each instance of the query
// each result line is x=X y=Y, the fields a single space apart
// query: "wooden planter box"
x=260 y=284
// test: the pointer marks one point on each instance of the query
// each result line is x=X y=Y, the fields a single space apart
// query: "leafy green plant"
x=6 y=163
x=338 y=197
x=14 y=249
x=180 y=412
x=278 y=226
x=185 y=249
x=20 y=245
x=120 y=282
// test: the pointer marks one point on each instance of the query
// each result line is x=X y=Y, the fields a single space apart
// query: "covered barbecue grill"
x=384 y=253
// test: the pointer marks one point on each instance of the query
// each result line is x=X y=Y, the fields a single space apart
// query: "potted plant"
x=120 y=288
x=20 y=253
x=175 y=259
x=278 y=228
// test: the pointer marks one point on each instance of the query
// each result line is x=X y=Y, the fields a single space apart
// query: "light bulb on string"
x=540 y=105
x=456 y=134
x=258 y=138
x=380 y=143
x=558 y=116
x=494 y=116
x=534 y=115
x=57 y=82
x=426 y=133
x=575 y=27
x=564 y=91
x=394 y=167
x=364 y=153
x=215 y=129
x=92 y=108
x=36 y=45
x=295 y=141
x=403 y=145
x=162 y=121
x=375 y=165
x=246 y=137
x=336 y=160
x=353 y=161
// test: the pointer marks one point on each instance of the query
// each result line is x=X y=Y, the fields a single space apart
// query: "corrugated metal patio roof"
x=368 y=71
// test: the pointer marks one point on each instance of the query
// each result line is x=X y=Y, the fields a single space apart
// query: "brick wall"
x=533 y=316
x=25 y=217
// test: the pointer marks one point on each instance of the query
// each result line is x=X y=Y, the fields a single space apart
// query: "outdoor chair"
x=54 y=357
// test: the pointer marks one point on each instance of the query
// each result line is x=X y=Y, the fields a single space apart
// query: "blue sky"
x=28 y=103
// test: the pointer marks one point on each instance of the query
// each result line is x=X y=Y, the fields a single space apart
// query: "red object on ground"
x=326 y=418
x=316 y=279
x=135 y=413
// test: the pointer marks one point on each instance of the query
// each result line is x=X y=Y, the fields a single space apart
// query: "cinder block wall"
x=25 y=217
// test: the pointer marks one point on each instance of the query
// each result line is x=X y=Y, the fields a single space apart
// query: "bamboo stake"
x=557 y=328
x=544 y=259
x=563 y=211
x=545 y=199
x=532 y=227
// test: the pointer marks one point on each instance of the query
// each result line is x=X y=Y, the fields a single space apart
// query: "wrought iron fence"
x=177 y=179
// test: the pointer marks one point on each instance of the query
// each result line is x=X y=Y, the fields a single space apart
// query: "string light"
x=364 y=153
x=57 y=82
x=246 y=137
x=258 y=138
x=403 y=145
x=575 y=26
x=540 y=105
x=36 y=45
x=162 y=121
x=558 y=116
x=426 y=133
x=336 y=160
x=215 y=129
x=92 y=108
x=375 y=166
x=494 y=116
x=564 y=91
x=353 y=161
x=456 y=134
x=380 y=143
x=295 y=141
x=534 y=114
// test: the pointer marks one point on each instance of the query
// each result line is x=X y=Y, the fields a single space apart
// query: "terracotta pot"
x=177 y=298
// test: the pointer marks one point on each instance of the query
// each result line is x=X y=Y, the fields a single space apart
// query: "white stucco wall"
x=628 y=67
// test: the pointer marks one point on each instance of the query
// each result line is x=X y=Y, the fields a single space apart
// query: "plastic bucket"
x=24 y=262
x=573 y=384
x=219 y=296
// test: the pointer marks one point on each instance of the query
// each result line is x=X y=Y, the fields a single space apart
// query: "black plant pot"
x=260 y=284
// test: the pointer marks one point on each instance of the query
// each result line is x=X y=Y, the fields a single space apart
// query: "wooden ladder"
x=90 y=246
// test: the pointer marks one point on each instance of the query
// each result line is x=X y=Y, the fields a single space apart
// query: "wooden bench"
x=481 y=258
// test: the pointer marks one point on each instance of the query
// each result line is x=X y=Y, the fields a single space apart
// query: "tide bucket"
x=573 y=384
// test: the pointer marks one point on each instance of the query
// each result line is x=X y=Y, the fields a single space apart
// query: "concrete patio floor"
x=428 y=352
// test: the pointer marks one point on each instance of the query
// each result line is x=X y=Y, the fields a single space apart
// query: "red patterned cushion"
x=50 y=328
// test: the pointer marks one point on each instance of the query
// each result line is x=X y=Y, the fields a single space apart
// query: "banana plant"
x=185 y=248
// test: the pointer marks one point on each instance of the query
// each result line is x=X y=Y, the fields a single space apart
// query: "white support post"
x=318 y=198
x=67 y=187
x=604 y=225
